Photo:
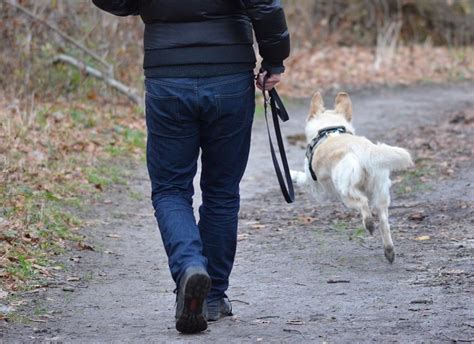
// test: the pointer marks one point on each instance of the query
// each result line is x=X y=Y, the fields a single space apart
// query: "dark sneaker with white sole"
x=190 y=304
x=219 y=309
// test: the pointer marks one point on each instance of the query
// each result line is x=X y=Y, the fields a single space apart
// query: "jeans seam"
x=225 y=82
x=166 y=83
x=213 y=84
x=149 y=94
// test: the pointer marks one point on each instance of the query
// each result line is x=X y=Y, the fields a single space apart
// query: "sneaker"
x=191 y=296
x=219 y=309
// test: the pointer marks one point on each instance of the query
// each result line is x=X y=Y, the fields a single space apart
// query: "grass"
x=88 y=276
x=54 y=159
x=137 y=196
x=358 y=234
x=339 y=225
x=17 y=318
x=413 y=181
x=23 y=269
x=259 y=110
x=105 y=175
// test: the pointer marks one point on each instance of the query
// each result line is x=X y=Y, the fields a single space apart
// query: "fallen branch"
x=130 y=92
x=62 y=34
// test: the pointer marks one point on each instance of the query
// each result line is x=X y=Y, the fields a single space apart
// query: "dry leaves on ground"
x=336 y=67
x=51 y=158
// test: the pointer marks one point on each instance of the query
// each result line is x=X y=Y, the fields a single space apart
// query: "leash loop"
x=278 y=111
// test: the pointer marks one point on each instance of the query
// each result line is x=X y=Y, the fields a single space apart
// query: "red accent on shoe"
x=194 y=304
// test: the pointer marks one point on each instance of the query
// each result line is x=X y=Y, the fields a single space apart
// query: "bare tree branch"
x=130 y=92
x=67 y=38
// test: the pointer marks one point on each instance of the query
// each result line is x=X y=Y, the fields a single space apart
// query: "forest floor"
x=304 y=272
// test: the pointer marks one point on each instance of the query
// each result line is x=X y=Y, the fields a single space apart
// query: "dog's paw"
x=389 y=254
x=369 y=225
x=298 y=177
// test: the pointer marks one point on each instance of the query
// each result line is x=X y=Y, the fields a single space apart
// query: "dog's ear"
x=344 y=105
x=317 y=106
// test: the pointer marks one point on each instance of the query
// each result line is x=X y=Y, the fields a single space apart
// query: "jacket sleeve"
x=119 y=7
x=269 y=24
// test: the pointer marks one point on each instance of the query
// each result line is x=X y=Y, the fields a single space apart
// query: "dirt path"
x=288 y=255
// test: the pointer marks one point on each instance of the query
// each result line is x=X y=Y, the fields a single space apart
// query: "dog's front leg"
x=299 y=178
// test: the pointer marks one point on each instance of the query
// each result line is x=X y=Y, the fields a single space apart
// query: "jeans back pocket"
x=235 y=110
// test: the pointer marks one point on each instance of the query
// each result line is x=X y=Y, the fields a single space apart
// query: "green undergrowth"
x=57 y=159
x=416 y=180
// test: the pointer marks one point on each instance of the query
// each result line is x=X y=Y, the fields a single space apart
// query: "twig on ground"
x=130 y=92
x=334 y=281
x=244 y=302
x=289 y=330
x=36 y=320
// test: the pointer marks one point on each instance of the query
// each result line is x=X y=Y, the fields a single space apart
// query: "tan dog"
x=350 y=167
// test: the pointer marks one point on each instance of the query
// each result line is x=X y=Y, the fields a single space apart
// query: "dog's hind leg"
x=380 y=203
x=386 y=235
x=356 y=200
x=347 y=175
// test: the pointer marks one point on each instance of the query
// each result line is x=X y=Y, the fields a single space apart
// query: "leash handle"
x=278 y=111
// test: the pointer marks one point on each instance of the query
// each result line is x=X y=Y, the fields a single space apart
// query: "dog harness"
x=322 y=135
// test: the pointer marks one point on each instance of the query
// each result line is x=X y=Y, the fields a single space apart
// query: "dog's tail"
x=390 y=157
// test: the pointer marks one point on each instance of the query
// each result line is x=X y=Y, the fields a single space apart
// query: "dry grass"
x=52 y=160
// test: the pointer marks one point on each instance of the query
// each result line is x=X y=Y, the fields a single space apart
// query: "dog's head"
x=319 y=118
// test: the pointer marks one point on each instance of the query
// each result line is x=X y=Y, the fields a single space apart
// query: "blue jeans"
x=183 y=116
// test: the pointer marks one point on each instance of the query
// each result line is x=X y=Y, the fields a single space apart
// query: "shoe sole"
x=192 y=319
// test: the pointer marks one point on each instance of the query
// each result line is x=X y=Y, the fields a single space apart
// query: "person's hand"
x=270 y=83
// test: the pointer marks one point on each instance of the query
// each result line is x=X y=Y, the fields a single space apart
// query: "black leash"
x=278 y=111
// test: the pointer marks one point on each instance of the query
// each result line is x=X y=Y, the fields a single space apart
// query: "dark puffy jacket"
x=207 y=36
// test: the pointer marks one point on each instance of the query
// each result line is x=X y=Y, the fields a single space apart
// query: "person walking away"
x=200 y=95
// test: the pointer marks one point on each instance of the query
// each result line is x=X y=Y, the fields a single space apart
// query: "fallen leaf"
x=417 y=216
x=83 y=247
x=243 y=236
x=294 y=139
x=258 y=226
x=41 y=269
x=423 y=238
